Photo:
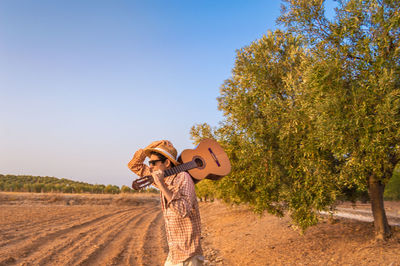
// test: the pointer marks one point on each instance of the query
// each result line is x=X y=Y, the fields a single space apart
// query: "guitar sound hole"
x=199 y=162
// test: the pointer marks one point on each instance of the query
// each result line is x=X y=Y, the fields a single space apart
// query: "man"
x=178 y=202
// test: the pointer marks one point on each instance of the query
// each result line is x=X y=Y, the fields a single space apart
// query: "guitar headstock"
x=142 y=182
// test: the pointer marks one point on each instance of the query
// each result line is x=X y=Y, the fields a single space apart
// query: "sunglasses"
x=153 y=162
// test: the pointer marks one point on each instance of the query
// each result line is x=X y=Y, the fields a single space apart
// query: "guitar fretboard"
x=180 y=168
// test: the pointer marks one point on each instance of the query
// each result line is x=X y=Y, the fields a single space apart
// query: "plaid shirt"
x=181 y=214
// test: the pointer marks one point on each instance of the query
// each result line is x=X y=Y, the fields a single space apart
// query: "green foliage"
x=40 y=184
x=352 y=85
x=392 y=191
x=150 y=190
x=264 y=130
x=312 y=113
x=126 y=189
x=111 y=189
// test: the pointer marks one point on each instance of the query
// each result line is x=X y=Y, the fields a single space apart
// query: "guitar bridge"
x=214 y=157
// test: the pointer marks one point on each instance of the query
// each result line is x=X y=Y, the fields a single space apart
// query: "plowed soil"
x=59 y=229
x=79 y=230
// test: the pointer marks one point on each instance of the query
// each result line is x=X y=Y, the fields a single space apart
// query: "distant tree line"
x=46 y=184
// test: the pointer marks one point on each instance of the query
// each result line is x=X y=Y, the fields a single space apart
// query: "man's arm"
x=137 y=166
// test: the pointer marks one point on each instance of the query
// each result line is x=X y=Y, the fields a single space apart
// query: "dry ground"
x=243 y=238
x=57 y=229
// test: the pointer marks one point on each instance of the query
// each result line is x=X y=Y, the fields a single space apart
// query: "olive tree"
x=277 y=165
x=353 y=88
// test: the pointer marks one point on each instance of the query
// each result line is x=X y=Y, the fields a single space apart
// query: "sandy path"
x=82 y=234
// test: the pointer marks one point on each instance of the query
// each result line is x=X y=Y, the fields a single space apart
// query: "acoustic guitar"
x=207 y=160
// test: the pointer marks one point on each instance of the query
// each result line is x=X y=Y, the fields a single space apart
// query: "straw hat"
x=163 y=147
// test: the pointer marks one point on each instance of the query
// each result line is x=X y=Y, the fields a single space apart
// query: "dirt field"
x=56 y=229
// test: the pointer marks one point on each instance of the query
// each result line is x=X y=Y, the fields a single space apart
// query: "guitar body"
x=212 y=161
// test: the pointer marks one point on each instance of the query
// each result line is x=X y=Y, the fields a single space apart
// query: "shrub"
x=392 y=190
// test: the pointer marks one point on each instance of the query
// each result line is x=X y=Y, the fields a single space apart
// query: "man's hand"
x=158 y=177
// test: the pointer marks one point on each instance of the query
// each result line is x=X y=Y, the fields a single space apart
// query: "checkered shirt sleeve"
x=137 y=166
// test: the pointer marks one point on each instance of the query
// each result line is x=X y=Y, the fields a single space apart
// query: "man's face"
x=156 y=164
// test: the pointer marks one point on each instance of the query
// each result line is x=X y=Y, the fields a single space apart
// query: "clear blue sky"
x=84 y=84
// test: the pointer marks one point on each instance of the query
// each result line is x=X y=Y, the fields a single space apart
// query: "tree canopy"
x=313 y=110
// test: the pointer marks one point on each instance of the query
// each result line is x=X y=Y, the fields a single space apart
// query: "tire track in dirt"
x=154 y=248
x=126 y=256
x=31 y=236
x=30 y=229
x=75 y=243
x=111 y=250
x=122 y=257
x=138 y=253
x=119 y=247
x=36 y=245
x=23 y=226
x=83 y=235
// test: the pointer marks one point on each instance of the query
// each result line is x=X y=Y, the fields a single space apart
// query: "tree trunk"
x=382 y=229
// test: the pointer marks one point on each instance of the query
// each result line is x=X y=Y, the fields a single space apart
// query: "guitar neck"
x=180 y=168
